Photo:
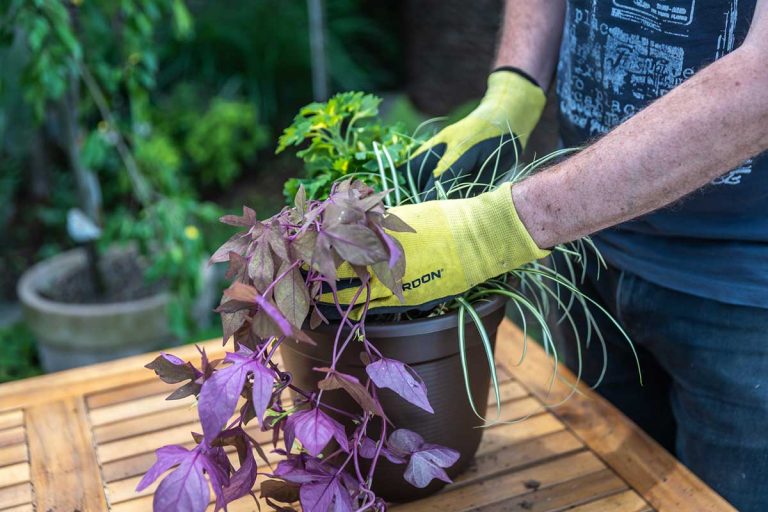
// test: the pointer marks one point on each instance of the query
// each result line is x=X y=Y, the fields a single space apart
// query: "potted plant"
x=366 y=404
x=138 y=269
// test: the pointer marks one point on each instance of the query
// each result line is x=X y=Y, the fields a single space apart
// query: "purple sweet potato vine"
x=279 y=269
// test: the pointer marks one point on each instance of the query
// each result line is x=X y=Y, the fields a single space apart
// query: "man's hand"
x=457 y=244
x=486 y=141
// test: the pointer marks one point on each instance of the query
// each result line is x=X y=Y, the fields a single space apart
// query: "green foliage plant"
x=344 y=138
x=89 y=74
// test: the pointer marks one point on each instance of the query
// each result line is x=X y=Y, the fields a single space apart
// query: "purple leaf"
x=326 y=495
x=217 y=466
x=422 y=469
x=372 y=201
x=404 y=442
x=263 y=326
x=263 y=381
x=426 y=460
x=441 y=455
x=220 y=393
x=368 y=450
x=167 y=457
x=188 y=389
x=340 y=211
x=233 y=306
x=394 y=375
x=246 y=293
x=396 y=253
x=184 y=489
x=241 y=292
x=300 y=200
x=314 y=429
x=291 y=472
x=242 y=481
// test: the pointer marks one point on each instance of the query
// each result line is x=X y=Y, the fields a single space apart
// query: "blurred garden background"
x=127 y=127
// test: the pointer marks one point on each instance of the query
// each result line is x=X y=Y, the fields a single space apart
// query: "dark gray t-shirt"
x=616 y=57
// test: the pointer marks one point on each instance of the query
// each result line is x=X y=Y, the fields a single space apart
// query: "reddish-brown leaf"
x=238 y=243
x=357 y=244
x=237 y=267
x=261 y=267
x=304 y=245
x=248 y=218
x=350 y=384
x=291 y=296
x=242 y=292
x=394 y=223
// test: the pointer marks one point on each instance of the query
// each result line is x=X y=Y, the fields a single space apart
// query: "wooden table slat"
x=654 y=473
x=562 y=495
x=533 y=451
x=152 y=386
x=16 y=495
x=132 y=427
x=136 y=408
x=10 y=419
x=20 y=508
x=65 y=474
x=508 y=485
x=13 y=454
x=14 y=474
x=503 y=435
x=11 y=436
x=626 y=501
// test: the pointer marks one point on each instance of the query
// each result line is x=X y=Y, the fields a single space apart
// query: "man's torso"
x=616 y=57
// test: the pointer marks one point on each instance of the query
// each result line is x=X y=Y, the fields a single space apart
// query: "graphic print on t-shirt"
x=619 y=55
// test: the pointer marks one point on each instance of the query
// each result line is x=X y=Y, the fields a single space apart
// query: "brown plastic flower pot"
x=431 y=347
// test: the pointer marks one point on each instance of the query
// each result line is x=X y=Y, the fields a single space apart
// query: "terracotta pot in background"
x=70 y=335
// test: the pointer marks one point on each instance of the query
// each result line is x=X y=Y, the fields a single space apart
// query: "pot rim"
x=382 y=330
x=28 y=290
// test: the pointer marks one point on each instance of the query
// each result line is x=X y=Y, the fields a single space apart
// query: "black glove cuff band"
x=519 y=72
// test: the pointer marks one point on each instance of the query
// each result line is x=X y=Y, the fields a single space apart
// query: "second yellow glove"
x=488 y=139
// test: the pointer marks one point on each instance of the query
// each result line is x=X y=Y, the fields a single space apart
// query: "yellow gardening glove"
x=486 y=143
x=457 y=244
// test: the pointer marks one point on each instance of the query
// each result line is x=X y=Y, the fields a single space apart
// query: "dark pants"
x=705 y=374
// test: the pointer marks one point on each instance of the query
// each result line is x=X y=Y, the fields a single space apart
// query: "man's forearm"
x=530 y=37
x=679 y=143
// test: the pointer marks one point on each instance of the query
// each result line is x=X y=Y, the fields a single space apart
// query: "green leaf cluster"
x=341 y=137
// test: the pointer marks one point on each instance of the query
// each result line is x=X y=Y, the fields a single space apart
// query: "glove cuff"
x=513 y=69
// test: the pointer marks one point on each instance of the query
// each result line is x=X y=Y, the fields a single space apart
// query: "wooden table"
x=80 y=440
